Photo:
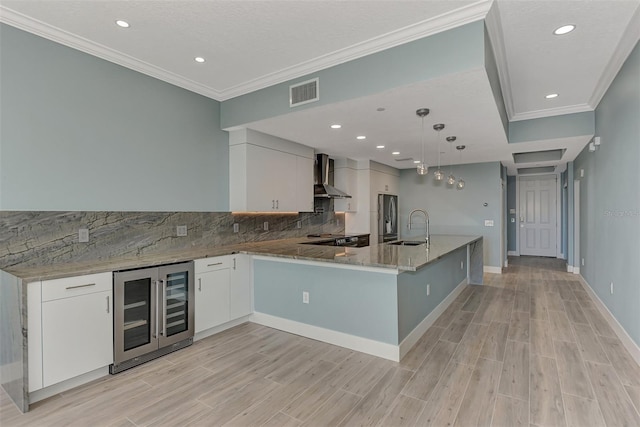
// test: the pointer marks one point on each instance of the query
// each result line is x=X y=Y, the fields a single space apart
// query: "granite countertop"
x=401 y=258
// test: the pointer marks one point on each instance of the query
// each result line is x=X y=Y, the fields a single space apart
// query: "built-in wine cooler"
x=153 y=313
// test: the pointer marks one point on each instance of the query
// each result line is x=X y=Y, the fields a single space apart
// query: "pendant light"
x=439 y=175
x=451 y=179
x=460 y=184
x=422 y=168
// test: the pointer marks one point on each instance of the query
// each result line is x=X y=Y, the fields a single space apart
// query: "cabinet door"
x=240 y=295
x=77 y=336
x=262 y=178
x=304 y=183
x=284 y=170
x=212 y=299
x=346 y=179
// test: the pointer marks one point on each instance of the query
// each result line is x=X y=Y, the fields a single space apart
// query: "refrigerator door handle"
x=155 y=335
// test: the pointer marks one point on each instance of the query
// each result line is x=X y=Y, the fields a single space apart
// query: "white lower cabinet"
x=223 y=290
x=240 y=296
x=212 y=295
x=70 y=328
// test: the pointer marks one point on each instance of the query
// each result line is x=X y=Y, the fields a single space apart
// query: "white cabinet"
x=346 y=179
x=269 y=174
x=212 y=292
x=72 y=328
x=240 y=295
x=223 y=290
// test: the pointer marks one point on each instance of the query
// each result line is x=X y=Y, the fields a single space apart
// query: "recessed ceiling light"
x=199 y=59
x=121 y=23
x=564 y=29
x=416 y=161
x=361 y=137
x=395 y=153
x=551 y=96
x=336 y=126
x=380 y=146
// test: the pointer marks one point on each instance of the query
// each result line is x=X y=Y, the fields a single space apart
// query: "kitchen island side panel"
x=442 y=275
x=351 y=301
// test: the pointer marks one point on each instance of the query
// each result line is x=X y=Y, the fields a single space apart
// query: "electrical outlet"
x=461 y=265
x=583 y=262
x=236 y=227
x=305 y=297
x=611 y=288
x=488 y=223
x=581 y=173
x=181 y=230
x=83 y=235
x=265 y=226
x=337 y=222
x=428 y=289
x=298 y=224
x=513 y=220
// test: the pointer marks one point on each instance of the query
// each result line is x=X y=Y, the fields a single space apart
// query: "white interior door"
x=538 y=215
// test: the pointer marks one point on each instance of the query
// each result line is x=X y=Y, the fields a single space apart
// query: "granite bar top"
x=401 y=258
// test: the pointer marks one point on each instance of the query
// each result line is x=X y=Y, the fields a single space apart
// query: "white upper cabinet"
x=345 y=178
x=269 y=174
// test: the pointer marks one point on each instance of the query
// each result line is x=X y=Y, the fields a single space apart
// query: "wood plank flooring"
x=528 y=349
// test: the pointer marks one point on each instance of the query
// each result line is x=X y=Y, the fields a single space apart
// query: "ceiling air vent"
x=303 y=93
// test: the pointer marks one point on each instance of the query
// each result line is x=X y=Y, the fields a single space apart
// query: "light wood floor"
x=530 y=348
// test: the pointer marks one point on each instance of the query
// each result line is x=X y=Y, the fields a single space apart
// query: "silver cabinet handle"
x=80 y=286
x=234 y=263
x=215 y=263
x=200 y=284
x=273 y=204
x=157 y=311
x=108 y=305
x=164 y=308
x=277 y=204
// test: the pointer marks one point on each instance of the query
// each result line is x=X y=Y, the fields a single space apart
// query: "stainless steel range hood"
x=322 y=188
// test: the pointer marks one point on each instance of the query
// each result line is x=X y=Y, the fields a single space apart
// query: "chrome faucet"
x=426 y=220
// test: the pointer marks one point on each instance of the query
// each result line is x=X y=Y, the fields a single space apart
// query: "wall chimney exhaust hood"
x=322 y=188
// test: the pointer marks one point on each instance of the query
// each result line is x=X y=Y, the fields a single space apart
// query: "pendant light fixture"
x=422 y=168
x=451 y=179
x=460 y=184
x=439 y=175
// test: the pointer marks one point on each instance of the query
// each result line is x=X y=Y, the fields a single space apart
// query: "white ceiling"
x=249 y=45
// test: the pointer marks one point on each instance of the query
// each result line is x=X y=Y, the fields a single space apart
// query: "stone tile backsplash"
x=29 y=238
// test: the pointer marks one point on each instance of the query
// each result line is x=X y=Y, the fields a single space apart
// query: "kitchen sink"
x=407 y=243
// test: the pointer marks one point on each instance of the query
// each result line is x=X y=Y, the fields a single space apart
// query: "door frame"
x=558 y=212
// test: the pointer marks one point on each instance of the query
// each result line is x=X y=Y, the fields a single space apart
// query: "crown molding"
x=39 y=28
x=628 y=41
x=496 y=37
x=470 y=13
x=465 y=15
x=550 y=112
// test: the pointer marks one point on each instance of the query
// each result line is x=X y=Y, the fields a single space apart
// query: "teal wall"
x=556 y=127
x=355 y=302
x=413 y=303
x=81 y=133
x=454 y=211
x=456 y=50
x=610 y=201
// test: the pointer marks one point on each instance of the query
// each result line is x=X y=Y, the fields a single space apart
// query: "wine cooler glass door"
x=177 y=303
x=135 y=313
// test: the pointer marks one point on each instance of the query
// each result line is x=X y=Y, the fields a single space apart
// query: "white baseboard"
x=513 y=253
x=569 y=268
x=628 y=343
x=492 y=269
x=576 y=270
x=506 y=263
x=212 y=331
x=407 y=344
x=43 y=393
x=363 y=345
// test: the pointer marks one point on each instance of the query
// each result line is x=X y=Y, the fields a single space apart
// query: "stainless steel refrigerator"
x=387 y=218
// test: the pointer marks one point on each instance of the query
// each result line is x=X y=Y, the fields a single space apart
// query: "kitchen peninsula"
x=378 y=299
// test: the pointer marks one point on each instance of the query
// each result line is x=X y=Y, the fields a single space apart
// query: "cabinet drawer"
x=211 y=264
x=75 y=286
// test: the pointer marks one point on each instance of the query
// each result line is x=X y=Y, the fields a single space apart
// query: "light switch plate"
x=265 y=226
x=236 y=227
x=181 y=230
x=488 y=223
